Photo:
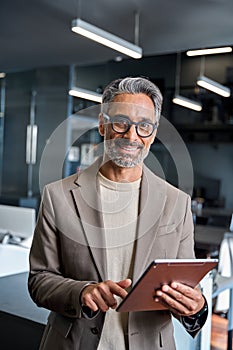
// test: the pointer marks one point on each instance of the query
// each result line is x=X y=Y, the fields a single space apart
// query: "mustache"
x=125 y=142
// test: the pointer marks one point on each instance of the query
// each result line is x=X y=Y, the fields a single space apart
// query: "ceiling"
x=36 y=33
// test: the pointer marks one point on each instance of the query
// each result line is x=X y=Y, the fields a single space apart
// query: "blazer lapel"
x=86 y=197
x=152 y=201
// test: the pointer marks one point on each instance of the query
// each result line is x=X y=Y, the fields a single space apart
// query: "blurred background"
x=44 y=65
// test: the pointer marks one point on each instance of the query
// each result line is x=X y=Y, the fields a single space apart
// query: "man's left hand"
x=180 y=298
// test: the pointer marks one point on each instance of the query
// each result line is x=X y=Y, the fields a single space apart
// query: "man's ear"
x=101 y=124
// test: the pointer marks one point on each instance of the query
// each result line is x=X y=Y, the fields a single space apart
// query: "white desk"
x=22 y=322
x=13 y=259
x=15 y=299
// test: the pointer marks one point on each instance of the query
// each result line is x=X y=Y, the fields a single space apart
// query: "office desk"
x=13 y=259
x=208 y=237
x=21 y=321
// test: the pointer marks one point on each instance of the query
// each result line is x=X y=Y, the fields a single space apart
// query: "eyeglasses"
x=121 y=124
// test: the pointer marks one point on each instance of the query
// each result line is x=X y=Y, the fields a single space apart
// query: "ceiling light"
x=105 y=38
x=209 y=51
x=178 y=99
x=2 y=75
x=213 y=86
x=186 y=102
x=86 y=94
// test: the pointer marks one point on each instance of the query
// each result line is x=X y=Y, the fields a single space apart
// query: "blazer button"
x=95 y=330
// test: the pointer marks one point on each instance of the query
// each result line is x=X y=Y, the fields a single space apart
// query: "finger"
x=179 y=294
x=118 y=288
x=193 y=294
x=95 y=301
x=125 y=283
x=106 y=290
x=176 y=309
x=175 y=300
x=171 y=303
x=101 y=295
x=98 y=295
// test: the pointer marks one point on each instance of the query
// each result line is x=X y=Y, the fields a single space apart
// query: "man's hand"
x=180 y=299
x=101 y=295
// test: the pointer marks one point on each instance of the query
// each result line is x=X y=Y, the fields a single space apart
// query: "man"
x=98 y=230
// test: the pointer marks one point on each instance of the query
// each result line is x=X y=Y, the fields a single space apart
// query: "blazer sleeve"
x=47 y=286
x=186 y=247
x=192 y=324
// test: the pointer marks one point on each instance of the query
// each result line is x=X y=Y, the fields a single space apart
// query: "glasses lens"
x=120 y=124
x=145 y=129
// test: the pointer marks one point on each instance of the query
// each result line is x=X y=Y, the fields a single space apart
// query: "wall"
x=51 y=109
x=215 y=162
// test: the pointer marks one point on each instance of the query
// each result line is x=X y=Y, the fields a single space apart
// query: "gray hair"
x=130 y=85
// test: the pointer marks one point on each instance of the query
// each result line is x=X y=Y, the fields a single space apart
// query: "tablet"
x=159 y=272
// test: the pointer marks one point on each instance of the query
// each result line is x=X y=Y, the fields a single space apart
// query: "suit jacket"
x=68 y=253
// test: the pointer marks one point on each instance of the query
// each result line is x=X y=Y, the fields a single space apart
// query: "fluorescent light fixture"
x=2 y=75
x=105 y=38
x=186 y=102
x=213 y=86
x=86 y=94
x=209 y=51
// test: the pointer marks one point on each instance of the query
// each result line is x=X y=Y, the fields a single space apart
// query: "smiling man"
x=98 y=230
x=127 y=147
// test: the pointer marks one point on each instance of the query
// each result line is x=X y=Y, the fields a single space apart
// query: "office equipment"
x=17 y=221
x=164 y=271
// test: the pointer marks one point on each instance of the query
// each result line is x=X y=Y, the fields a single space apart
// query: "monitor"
x=17 y=221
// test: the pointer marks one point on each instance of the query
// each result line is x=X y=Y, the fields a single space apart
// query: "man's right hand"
x=102 y=295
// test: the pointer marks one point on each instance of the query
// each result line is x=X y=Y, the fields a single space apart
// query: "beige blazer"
x=68 y=252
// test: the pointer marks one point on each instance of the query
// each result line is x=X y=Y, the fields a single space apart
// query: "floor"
x=219 y=333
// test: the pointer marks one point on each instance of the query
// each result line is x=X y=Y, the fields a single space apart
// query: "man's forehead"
x=131 y=109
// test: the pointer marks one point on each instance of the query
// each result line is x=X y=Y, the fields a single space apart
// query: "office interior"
x=38 y=116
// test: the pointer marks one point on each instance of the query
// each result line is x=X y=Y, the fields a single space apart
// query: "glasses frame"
x=130 y=123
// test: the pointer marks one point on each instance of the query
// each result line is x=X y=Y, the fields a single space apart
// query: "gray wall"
x=215 y=162
x=51 y=85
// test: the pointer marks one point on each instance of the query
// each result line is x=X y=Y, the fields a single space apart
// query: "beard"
x=125 y=159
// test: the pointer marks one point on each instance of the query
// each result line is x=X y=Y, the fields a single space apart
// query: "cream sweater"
x=120 y=211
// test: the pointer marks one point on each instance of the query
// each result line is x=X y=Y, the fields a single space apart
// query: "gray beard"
x=121 y=159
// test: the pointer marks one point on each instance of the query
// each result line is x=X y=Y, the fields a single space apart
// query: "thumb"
x=124 y=283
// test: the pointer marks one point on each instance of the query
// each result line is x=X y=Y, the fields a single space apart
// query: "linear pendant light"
x=186 y=102
x=105 y=38
x=213 y=86
x=181 y=100
x=86 y=94
x=209 y=51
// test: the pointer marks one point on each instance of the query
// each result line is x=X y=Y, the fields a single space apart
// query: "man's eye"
x=145 y=125
x=121 y=121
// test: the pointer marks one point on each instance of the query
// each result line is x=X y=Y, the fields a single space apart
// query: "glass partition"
x=2 y=115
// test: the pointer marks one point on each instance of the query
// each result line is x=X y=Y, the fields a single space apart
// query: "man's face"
x=128 y=149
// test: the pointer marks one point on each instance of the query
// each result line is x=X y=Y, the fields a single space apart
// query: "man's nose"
x=131 y=134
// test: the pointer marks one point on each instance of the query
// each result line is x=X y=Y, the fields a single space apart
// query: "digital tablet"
x=159 y=272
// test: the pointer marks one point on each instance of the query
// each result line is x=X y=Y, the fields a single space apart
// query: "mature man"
x=98 y=230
